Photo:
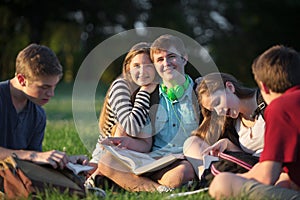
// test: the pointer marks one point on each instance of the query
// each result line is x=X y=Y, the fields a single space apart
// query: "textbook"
x=77 y=168
x=208 y=159
x=140 y=163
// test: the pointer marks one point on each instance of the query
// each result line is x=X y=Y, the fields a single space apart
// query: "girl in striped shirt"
x=120 y=116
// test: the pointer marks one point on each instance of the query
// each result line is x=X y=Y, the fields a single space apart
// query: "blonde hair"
x=139 y=48
x=165 y=42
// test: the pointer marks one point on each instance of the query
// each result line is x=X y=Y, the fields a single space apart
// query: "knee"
x=220 y=186
x=186 y=170
x=189 y=172
x=190 y=142
x=179 y=175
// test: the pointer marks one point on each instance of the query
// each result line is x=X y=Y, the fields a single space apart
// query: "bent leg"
x=226 y=185
x=115 y=171
x=192 y=149
x=255 y=190
x=175 y=175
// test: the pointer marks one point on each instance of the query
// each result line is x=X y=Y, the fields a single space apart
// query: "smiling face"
x=223 y=102
x=142 y=70
x=169 y=64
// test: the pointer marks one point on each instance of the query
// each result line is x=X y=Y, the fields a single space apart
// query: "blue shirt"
x=23 y=130
x=175 y=120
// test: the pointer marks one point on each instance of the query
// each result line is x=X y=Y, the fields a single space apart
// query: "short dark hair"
x=37 y=60
x=278 y=68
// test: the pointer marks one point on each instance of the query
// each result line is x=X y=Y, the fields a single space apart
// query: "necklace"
x=248 y=124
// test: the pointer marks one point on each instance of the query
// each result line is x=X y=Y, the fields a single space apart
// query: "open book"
x=140 y=163
x=208 y=159
x=77 y=168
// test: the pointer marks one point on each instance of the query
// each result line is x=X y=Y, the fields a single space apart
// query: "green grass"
x=61 y=132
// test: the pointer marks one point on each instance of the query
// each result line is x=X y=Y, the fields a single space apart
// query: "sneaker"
x=90 y=182
x=95 y=191
x=163 y=188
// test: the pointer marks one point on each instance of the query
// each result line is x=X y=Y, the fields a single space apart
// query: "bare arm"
x=54 y=158
x=137 y=144
x=57 y=159
x=131 y=116
x=266 y=172
x=220 y=146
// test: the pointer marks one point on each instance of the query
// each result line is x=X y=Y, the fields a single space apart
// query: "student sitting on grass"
x=231 y=119
x=277 y=175
x=120 y=116
x=22 y=118
x=176 y=116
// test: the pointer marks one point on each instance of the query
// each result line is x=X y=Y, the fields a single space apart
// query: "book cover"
x=140 y=163
x=208 y=159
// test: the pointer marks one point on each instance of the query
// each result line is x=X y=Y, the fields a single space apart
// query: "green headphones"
x=177 y=91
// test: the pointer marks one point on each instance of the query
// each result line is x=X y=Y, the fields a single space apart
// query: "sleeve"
x=132 y=117
x=280 y=136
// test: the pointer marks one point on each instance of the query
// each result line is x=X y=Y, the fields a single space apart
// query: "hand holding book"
x=77 y=168
x=140 y=163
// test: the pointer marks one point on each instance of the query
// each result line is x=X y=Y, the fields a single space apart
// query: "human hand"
x=121 y=142
x=78 y=159
x=57 y=159
x=216 y=148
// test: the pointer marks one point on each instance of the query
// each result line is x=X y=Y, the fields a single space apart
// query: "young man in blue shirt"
x=22 y=118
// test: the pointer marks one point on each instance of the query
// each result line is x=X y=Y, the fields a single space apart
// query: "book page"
x=132 y=159
x=208 y=159
x=140 y=162
x=77 y=168
x=156 y=164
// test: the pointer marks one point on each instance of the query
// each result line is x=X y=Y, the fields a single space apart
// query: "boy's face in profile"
x=41 y=89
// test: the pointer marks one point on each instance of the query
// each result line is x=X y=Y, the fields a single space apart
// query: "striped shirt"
x=131 y=116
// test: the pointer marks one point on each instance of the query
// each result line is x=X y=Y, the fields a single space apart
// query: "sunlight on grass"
x=61 y=131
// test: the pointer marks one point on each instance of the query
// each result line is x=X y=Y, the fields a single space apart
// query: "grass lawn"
x=61 y=133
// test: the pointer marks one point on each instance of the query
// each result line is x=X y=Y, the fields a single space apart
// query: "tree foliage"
x=234 y=32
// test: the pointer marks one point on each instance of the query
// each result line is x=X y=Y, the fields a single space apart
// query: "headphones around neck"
x=177 y=91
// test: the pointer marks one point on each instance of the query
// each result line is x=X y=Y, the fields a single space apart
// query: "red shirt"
x=282 y=134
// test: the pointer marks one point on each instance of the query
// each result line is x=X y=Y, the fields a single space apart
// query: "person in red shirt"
x=277 y=175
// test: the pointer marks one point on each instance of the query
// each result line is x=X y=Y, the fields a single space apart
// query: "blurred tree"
x=255 y=26
x=25 y=22
x=234 y=32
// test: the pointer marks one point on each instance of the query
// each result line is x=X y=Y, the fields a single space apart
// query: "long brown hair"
x=138 y=48
x=214 y=127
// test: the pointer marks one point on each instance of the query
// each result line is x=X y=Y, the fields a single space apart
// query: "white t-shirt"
x=251 y=139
